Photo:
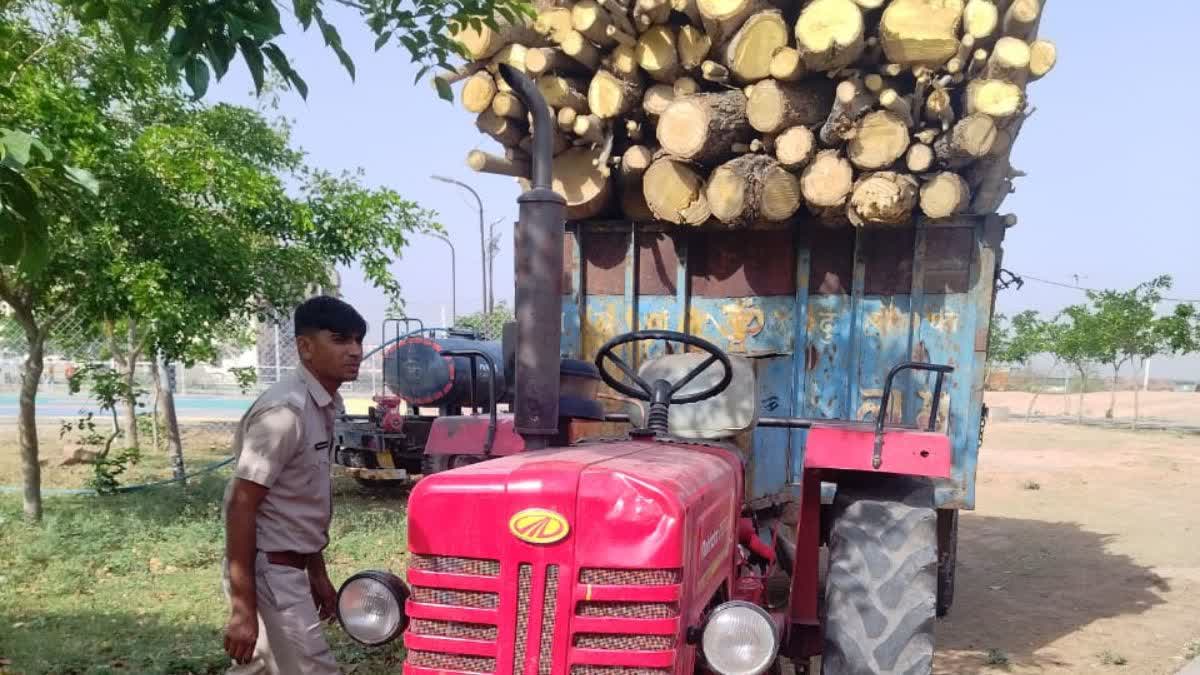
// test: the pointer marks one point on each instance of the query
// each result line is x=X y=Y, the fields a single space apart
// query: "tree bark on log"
x=996 y=98
x=505 y=131
x=751 y=189
x=657 y=54
x=585 y=187
x=543 y=60
x=921 y=32
x=892 y=101
x=749 y=52
x=850 y=102
x=726 y=16
x=588 y=18
x=590 y=128
x=675 y=192
x=795 y=147
x=478 y=92
x=773 y=107
x=650 y=13
x=827 y=181
x=577 y=47
x=704 y=127
x=883 y=198
x=1021 y=18
x=970 y=139
x=485 y=43
x=554 y=24
x=945 y=195
x=487 y=163
x=880 y=139
x=564 y=92
x=610 y=96
x=787 y=66
x=694 y=45
x=829 y=34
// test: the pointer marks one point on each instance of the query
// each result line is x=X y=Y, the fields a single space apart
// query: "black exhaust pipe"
x=539 y=271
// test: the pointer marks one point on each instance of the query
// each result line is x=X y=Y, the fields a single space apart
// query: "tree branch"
x=28 y=59
x=349 y=3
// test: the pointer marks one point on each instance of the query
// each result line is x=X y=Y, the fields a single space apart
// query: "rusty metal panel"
x=832 y=266
x=746 y=325
x=827 y=357
x=743 y=264
x=657 y=312
x=606 y=316
x=948 y=255
x=570 y=262
x=889 y=262
x=658 y=264
x=570 y=328
x=883 y=343
x=604 y=262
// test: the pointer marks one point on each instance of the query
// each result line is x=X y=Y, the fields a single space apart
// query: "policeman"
x=278 y=506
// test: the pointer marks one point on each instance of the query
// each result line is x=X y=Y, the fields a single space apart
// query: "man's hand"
x=325 y=596
x=241 y=633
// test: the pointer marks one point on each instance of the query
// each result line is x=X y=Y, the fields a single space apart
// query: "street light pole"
x=453 y=278
x=482 y=243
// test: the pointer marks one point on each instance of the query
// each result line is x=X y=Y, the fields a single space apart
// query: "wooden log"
x=694 y=45
x=583 y=184
x=1042 y=57
x=675 y=192
x=795 y=147
x=977 y=64
x=1021 y=18
x=690 y=9
x=890 y=99
x=543 y=60
x=487 y=163
x=773 y=107
x=564 y=92
x=749 y=52
x=926 y=136
x=995 y=98
x=622 y=62
x=559 y=144
x=618 y=14
x=486 y=42
x=1009 y=61
x=704 y=127
x=513 y=55
x=633 y=130
x=502 y=129
x=959 y=62
x=829 y=34
x=650 y=13
x=992 y=178
x=726 y=16
x=508 y=105
x=850 y=102
x=714 y=72
x=945 y=195
x=826 y=184
x=875 y=83
x=868 y=5
x=658 y=98
x=980 y=19
x=590 y=128
x=921 y=32
x=750 y=189
x=478 y=92
x=611 y=96
x=635 y=160
x=883 y=198
x=566 y=119
x=762 y=145
x=577 y=47
x=657 y=54
x=621 y=37
x=880 y=138
x=919 y=158
x=554 y=24
x=939 y=108
x=787 y=66
x=588 y=18
x=461 y=73
x=970 y=139
x=685 y=86
x=633 y=201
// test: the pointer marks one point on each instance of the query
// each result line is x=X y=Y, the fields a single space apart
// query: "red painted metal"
x=804 y=638
x=749 y=538
x=850 y=446
x=651 y=524
x=744 y=264
x=467 y=435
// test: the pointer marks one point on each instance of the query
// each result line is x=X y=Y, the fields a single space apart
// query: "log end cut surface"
x=675 y=192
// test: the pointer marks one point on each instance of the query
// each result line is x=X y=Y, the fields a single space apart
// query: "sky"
x=1111 y=157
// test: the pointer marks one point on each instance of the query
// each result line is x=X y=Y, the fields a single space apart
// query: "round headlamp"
x=370 y=607
x=740 y=638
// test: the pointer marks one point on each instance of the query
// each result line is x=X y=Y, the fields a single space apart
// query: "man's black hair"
x=324 y=312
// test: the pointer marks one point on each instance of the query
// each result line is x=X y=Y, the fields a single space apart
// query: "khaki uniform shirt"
x=284 y=443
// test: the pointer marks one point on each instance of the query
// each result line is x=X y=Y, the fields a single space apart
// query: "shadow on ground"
x=1023 y=584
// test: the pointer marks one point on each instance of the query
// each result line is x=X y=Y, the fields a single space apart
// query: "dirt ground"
x=1166 y=405
x=1082 y=556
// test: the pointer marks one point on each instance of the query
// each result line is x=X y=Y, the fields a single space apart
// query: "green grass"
x=131 y=583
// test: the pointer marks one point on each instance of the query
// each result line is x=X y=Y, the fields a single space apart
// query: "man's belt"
x=290 y=559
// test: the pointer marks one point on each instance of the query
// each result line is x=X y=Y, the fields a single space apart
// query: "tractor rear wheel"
x=881 y=586
x=947 y=524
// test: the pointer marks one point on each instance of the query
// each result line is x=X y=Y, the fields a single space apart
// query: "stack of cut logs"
x=741 y=112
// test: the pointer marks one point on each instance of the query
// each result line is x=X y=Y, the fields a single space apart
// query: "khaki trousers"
x=290 y=639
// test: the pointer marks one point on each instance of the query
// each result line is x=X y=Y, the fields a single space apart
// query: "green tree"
x=489 y=325
x=1076 y=339
x=1017 y=342
x=196 y=233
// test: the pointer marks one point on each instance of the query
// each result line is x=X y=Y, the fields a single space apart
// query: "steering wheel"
x=660 y=393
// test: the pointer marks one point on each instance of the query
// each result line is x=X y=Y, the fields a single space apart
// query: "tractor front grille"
x=629 y=610
x=455 y=662
x=453 y=629
x=615 y=577
x=549 y=609
x=626 y=636
x=639 y=643
x=450 y=565
x=442 y=596
x=616 y=670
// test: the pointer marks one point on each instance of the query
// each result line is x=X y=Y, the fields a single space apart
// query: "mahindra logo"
x=538 y=526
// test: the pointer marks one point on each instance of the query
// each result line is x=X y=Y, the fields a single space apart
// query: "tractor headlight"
x=740 y=639
x=370 y=607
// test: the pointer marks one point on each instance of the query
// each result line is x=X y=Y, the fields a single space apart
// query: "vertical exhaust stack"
x=538 y=253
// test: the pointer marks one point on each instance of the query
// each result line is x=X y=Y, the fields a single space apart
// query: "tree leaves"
x=196 y=74
x=334 y=41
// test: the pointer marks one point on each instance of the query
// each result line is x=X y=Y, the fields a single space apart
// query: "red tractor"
x=641 y=555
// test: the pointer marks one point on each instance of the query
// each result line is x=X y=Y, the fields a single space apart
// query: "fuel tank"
x=600 y=554
x=415 y=370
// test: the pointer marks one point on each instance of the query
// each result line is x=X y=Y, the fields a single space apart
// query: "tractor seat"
x=723 y=416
